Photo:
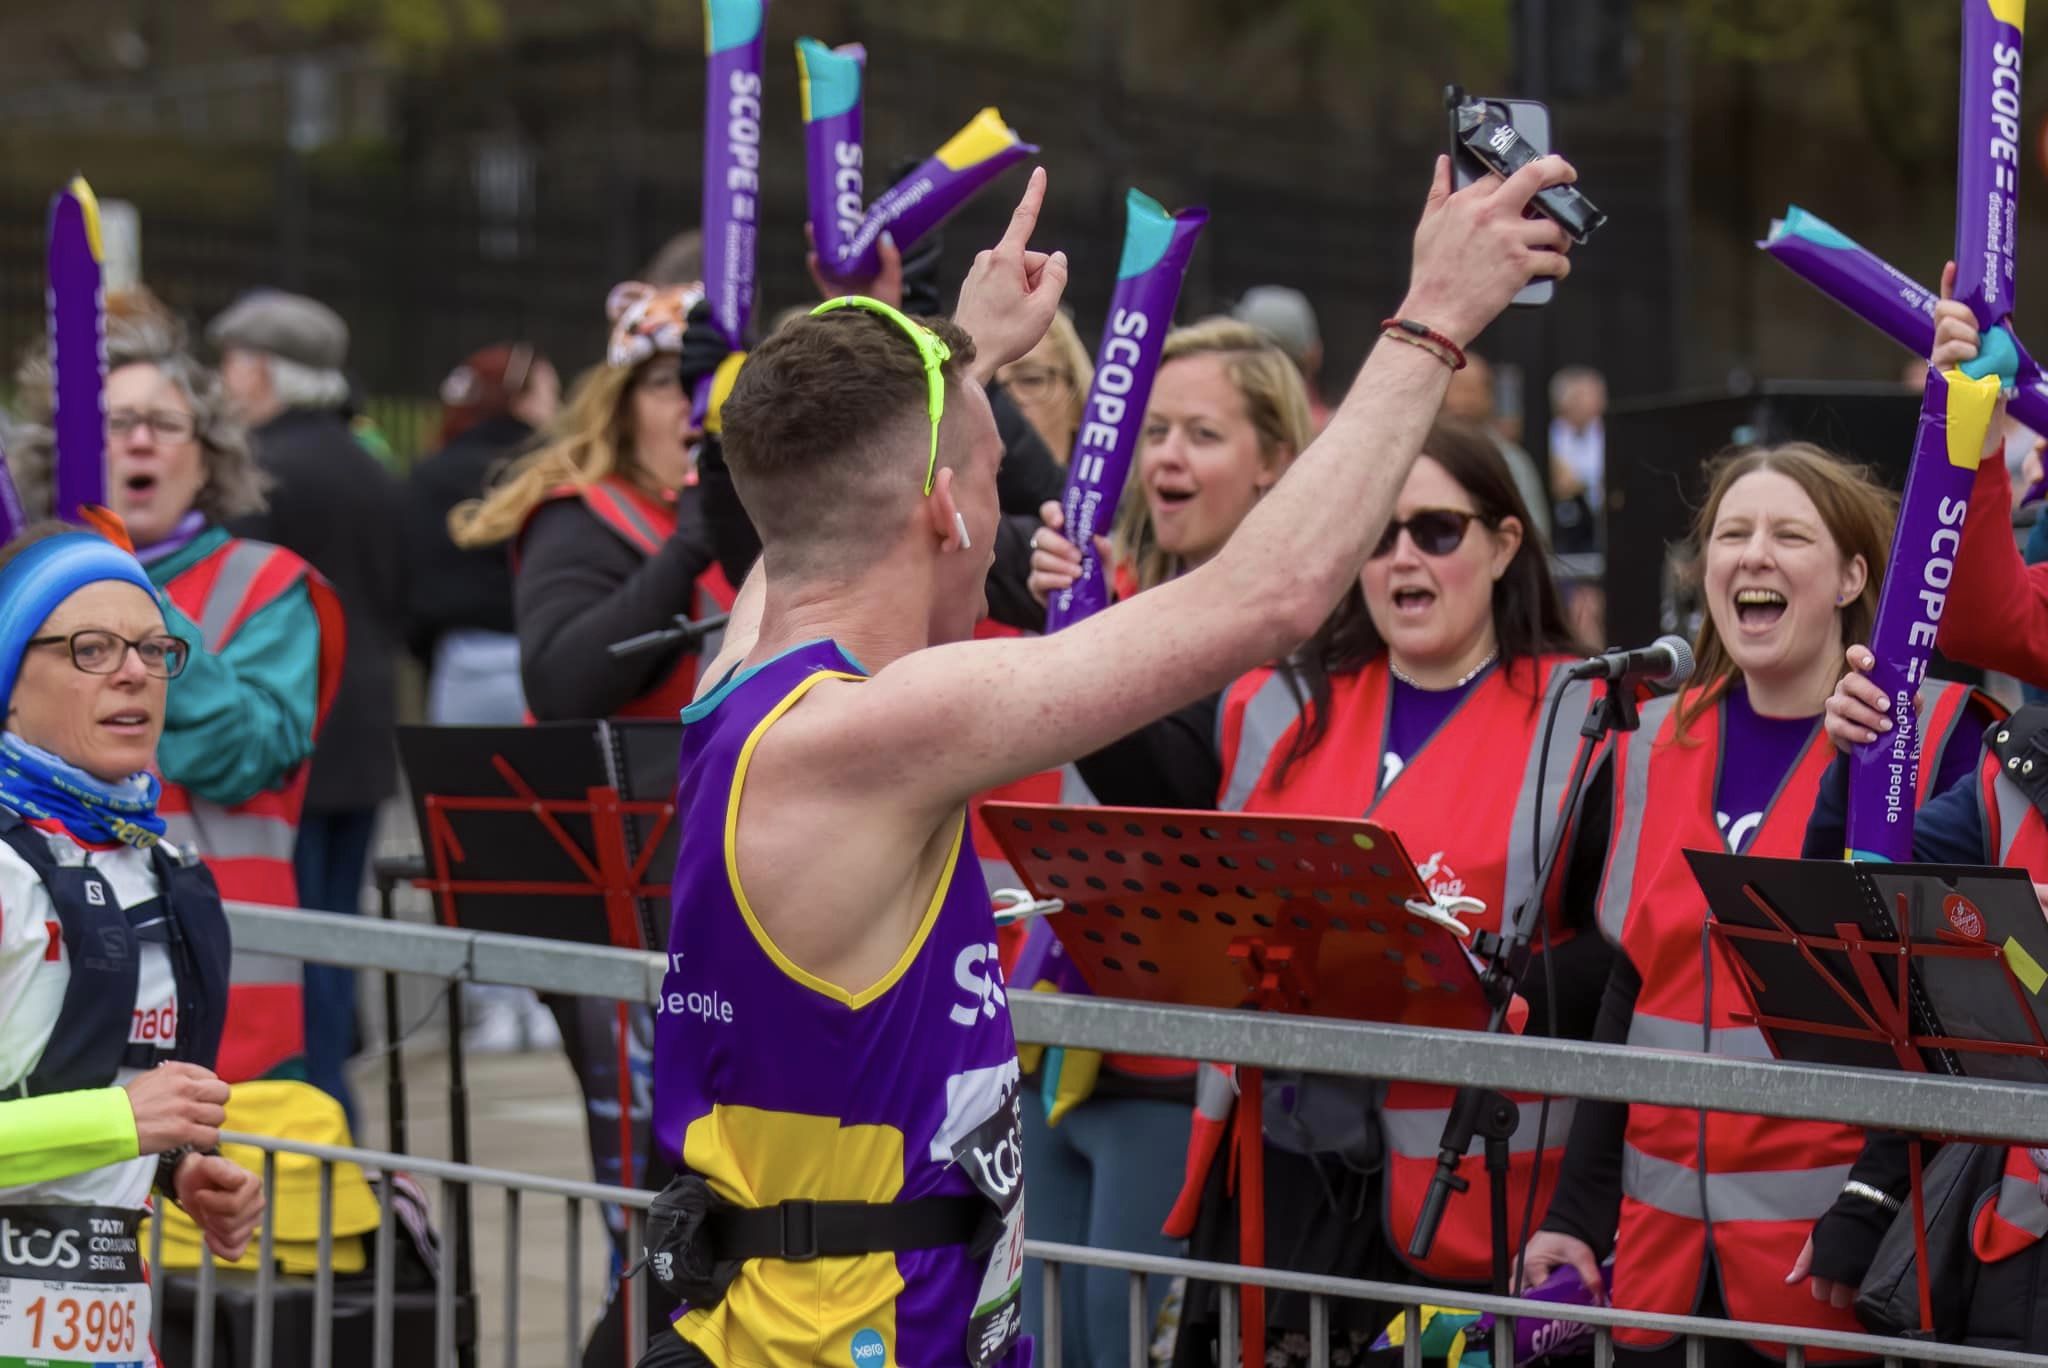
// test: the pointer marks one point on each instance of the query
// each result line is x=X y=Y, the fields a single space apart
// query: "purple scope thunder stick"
x=828 y=84
x=732 y=170
x=1892 y=302
x=947 y=179
x=1955 y=416
x=78 y=352
x=1157 y=246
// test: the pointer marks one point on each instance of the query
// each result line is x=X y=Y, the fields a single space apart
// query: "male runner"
x=833 y=1060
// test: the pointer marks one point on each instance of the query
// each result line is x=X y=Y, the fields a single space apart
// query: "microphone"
x=1667 y=660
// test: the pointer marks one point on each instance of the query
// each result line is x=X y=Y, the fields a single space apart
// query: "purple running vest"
x=775 y=1085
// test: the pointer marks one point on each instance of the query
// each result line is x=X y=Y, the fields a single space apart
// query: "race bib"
x=72 y=1293
x=992 y=1155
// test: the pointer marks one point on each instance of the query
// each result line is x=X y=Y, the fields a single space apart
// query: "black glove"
x=704 y=346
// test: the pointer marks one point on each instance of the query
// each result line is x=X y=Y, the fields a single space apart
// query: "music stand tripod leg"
x=1251 y=1208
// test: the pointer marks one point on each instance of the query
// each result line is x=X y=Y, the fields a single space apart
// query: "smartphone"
x=1531 y=119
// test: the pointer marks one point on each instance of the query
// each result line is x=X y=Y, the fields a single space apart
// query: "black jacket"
x=331 y=502
x=449 y=588
x=580 y=588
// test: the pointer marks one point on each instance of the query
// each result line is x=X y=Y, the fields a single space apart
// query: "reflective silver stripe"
x=224 y=598
x=1770 y=1195
x=1416 y=1132
x=1663 y=1033
x=2021 y=1206
x=255 y=970
x=632 y=514
x=218 y=833
x=1618 y=887
x=1267 y=716
x=1074 y=790
x=2013 y=807
x=1555 y=769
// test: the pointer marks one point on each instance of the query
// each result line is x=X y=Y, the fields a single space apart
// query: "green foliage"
x=408 y=30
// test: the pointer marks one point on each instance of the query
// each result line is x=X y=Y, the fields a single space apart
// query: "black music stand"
x=559 y=830
x=1924 y=968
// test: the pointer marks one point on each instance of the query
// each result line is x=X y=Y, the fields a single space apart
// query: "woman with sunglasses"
x=1706 y=1212
x=604 y=524
x=265 y=638
x=114 y=959
x=1436 y=669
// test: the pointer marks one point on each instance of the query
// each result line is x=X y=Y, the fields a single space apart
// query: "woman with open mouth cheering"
x=1711 y=1213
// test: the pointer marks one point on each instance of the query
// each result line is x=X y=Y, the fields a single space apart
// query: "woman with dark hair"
x=1435 y=672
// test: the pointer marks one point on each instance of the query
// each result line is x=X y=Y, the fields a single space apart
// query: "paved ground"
x=526 y=1116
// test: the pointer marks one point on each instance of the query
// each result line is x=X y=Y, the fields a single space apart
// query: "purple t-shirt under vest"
x=776 y=1085
x=1757 y=752
x=1413 y=715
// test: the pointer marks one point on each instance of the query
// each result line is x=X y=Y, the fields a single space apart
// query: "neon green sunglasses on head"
x=931 y=349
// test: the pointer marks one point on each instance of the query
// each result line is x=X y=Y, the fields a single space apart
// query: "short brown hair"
x=826 y=429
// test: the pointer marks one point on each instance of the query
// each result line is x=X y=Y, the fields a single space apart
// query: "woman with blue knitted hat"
x=113 y=960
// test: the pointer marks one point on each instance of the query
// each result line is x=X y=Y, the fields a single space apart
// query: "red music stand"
x=1303 y=915
x=1850 y=964
x=549 y=833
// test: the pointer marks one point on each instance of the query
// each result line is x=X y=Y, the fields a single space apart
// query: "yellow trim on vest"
x=788 y=966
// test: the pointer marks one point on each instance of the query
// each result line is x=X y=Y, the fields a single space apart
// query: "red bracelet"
x=1427 y=334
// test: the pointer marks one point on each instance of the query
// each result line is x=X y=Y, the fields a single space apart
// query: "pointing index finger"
x=1025 y=220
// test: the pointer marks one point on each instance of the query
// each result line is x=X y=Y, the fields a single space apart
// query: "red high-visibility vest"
x=1765 y=1180
x=1464 y=805
x=248 y=847
x=644 y=522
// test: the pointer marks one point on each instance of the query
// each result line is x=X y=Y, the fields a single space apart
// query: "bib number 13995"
x=78 y=1324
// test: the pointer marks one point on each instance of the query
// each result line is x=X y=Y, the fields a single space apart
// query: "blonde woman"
x=1227 y=416
x=1050 y=386
x=603 y=525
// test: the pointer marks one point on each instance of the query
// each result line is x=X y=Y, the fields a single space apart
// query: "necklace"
x=1470 y=675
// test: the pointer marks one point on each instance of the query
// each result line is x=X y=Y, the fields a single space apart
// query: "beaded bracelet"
x=1408 y=330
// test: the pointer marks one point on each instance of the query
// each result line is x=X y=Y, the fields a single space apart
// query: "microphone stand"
x=684 y=632
x=1482 y=1112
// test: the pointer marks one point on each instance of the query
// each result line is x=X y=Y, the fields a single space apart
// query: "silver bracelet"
x=1852 y=1188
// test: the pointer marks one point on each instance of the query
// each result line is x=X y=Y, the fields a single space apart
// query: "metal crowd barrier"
x=1948 y=1106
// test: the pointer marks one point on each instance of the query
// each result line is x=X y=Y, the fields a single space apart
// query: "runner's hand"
x=177 y=1104
x=1009 y=297
x=223 y=1199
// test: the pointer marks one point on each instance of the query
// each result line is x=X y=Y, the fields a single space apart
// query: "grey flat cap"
x=1284 y=314
x=287 y=325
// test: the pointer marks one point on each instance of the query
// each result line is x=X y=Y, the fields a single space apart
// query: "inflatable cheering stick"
x=1157 y=246
x=732 y=170
x=78 y=352
x=1955 y=417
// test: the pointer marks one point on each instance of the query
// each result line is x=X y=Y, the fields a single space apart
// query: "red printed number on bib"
x=155 y=1025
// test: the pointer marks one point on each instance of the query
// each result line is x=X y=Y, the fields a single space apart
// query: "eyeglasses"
x=1032 y=383
x=931 y=349
x=99 y=652
x=168 y=424
x=1435 y=531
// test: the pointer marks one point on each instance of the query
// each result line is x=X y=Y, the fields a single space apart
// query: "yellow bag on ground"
x=286 y=1110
